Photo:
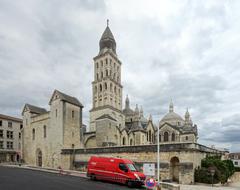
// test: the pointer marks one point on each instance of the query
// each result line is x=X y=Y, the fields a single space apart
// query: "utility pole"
x=158 y=156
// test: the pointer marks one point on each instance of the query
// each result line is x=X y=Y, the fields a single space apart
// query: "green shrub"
x=223 y=170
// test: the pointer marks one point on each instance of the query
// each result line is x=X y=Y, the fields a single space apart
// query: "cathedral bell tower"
x=106 y=87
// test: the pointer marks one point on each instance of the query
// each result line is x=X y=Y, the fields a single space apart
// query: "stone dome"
x=172 y=117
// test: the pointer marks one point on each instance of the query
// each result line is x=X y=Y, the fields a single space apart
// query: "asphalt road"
x=23 y=179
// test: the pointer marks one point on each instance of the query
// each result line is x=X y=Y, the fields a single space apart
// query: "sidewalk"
x=202 y=187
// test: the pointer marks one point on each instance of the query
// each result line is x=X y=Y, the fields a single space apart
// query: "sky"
x=184 y=50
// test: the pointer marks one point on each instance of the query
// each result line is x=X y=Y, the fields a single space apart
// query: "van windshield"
x=132 y=167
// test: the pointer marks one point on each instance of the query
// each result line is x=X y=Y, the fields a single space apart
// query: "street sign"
x=150 y=183
x=149 y=169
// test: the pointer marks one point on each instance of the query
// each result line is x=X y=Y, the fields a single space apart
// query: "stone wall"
x=188 y=154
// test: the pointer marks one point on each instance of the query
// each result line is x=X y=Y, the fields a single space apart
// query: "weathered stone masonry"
x=189 y=155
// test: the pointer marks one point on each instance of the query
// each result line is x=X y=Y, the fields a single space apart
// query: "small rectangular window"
x=1 y=133
x=0 y=122
x=9 y=124
x=235 y=163
x=10 y=134
x=19 y=135
x=72 y=114
x=1 y=145
x=9 y=145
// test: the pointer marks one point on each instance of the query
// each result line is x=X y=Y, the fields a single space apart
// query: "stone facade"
x=45 y=133
x=58 y=138
x=10 y=138
x=110 y=125
x=177 y=161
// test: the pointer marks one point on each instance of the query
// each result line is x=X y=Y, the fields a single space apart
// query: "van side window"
x=123 y=167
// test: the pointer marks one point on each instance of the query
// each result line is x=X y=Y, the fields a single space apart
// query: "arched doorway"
x=39 y=158
x=174 y=169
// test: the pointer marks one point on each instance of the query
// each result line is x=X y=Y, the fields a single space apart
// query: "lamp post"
x=158 y=156
x=212 y=171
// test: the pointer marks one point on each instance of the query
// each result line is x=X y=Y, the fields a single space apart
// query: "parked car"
x=115 y=170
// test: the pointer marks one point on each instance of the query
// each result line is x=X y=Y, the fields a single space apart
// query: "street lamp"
x=158 y=156
x=212 y=171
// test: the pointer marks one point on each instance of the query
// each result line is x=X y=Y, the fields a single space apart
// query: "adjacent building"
x=10 y=138
x=235 y=157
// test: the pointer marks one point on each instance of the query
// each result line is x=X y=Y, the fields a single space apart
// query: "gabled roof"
x=33 y=109
x=66 y=98
x=7 y=117
x=106 y=116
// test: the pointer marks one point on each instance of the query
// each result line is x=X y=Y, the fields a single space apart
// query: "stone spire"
x=188 y=120
x=150 y=117
x=171 y=107
x=141 y=111
x=136 y=110
x=127 y=103
x=107 y=40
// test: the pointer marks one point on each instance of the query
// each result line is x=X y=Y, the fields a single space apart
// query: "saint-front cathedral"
x=59 y=138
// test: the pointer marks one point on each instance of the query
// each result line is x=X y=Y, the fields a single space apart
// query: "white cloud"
x=185 y=50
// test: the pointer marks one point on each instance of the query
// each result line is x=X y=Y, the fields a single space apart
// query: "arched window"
x=97 y=64
x=165 y=136
x=95 y=89
x=111 y=87
x=106 y=73
x=149 y=138
x=115 y=89
x=173 y=136
x=44 y=131
x=186 y=138
x=124 y=141
x=152 y=137
x=101 y=75
x=97 y=76
x=131 y=142
x=100 y=88
x=33 y=134
x=105 y=84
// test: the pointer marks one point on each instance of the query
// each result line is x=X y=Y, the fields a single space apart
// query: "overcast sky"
x=185 y=50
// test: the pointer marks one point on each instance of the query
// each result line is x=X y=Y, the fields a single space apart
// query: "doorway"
x=174 y=169
x=39 y=158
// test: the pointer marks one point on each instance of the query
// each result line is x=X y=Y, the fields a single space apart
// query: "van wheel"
x=93 y=177
x=129 y=183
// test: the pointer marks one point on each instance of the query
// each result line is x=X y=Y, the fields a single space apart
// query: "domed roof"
x=172 y=117
x=128 y=111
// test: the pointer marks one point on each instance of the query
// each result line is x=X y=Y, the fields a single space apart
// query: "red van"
x=116 y=170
